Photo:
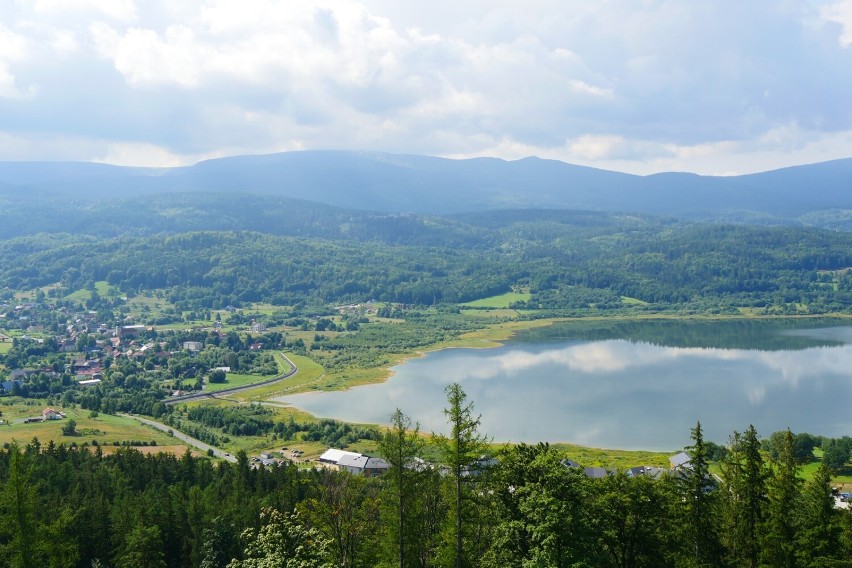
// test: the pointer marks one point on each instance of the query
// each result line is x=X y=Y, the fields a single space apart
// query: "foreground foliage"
x=64 y=506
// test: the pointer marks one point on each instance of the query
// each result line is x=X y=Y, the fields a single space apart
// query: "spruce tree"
x=783 y=496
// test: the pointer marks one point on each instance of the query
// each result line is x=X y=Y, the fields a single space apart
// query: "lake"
x=627 y=385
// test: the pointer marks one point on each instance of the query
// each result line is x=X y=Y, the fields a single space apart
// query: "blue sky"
x=717 y=87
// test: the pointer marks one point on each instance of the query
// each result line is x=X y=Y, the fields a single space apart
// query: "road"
x=293 y=370
x=184 y=438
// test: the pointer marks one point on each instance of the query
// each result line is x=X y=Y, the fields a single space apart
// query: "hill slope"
x=429 y=185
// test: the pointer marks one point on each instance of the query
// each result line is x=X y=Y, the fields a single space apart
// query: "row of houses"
x=361 y=464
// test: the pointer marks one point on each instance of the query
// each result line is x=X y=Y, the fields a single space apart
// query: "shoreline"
x=499 y=335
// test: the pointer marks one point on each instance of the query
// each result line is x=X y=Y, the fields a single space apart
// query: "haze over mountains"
x=818 y=194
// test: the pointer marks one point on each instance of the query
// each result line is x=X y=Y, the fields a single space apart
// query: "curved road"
x=198 y=443
x=293 y=370
x=184 y=438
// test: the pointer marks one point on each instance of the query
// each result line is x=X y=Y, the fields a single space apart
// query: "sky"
x=641 y=86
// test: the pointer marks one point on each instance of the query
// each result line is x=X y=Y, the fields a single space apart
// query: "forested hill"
x=618 y=263
x=816 y=194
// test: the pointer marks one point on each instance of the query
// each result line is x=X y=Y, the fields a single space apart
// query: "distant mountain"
x=817 y=194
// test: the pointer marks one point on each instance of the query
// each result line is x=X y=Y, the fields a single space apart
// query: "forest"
x=572 y=263
x=739 y=505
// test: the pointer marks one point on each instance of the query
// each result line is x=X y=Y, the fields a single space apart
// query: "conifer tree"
x=401 y=447
x=783 y=495
x=697 y=485
x=460 y=452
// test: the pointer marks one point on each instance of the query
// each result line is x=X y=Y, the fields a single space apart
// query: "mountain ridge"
x=385 y=182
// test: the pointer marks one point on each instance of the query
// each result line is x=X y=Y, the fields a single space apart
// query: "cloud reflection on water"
x=612 y=393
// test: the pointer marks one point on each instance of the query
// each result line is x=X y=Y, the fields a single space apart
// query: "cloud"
x=12 y=49
x=840 y=13
x=642 y=87
x=124 y=10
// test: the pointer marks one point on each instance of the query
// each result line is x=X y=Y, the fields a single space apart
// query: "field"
x=501 y=301
x=105 y=429
x=102 y=288
x=235 y=380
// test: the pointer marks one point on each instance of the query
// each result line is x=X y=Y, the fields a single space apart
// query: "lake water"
x=639 y=385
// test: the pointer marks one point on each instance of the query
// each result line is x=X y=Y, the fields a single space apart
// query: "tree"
x=19 y=514
x=69 y=428
x=783 y=494
x=346 y=511
x=697 y=488
x=460 y=451
x=835 y=455
x=400 y=447
x=819 y=535
x=283 y=541
x=744 y=474
x=143 y=548
x=217 y=376
x=217 y=543
x=542 y=510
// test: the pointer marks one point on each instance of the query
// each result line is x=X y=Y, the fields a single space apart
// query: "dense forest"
x=570 y=262
x=69 y=505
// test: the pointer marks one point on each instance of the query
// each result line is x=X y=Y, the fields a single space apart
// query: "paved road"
x=293 y=370
x=184 y=438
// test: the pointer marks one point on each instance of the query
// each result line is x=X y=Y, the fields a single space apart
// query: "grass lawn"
x=501 y=301
x=5 y=347
x=105 y=429
x=628 y=301
x=102 y=287
x=235 y=380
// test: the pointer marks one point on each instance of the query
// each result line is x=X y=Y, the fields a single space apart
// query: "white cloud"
x=639 y=87
x=840 y=13
x=13 y=49
x=124 y=10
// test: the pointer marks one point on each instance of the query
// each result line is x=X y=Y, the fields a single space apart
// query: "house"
x=193 y=346
x=9 y=385
x=89 y=382
x=125 y=331
x=354 y=463
x=257 y=328
x=480 y=465
x=680 y=461
x=375 y=466
x=332 y=455
x=597 y=472
x=50 y=414
x=646 y=470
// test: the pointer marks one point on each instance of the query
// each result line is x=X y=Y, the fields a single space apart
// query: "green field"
x=501 y=301
x=235 y=380
x=101 y=287
x=5 y=346
x=105 y=428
